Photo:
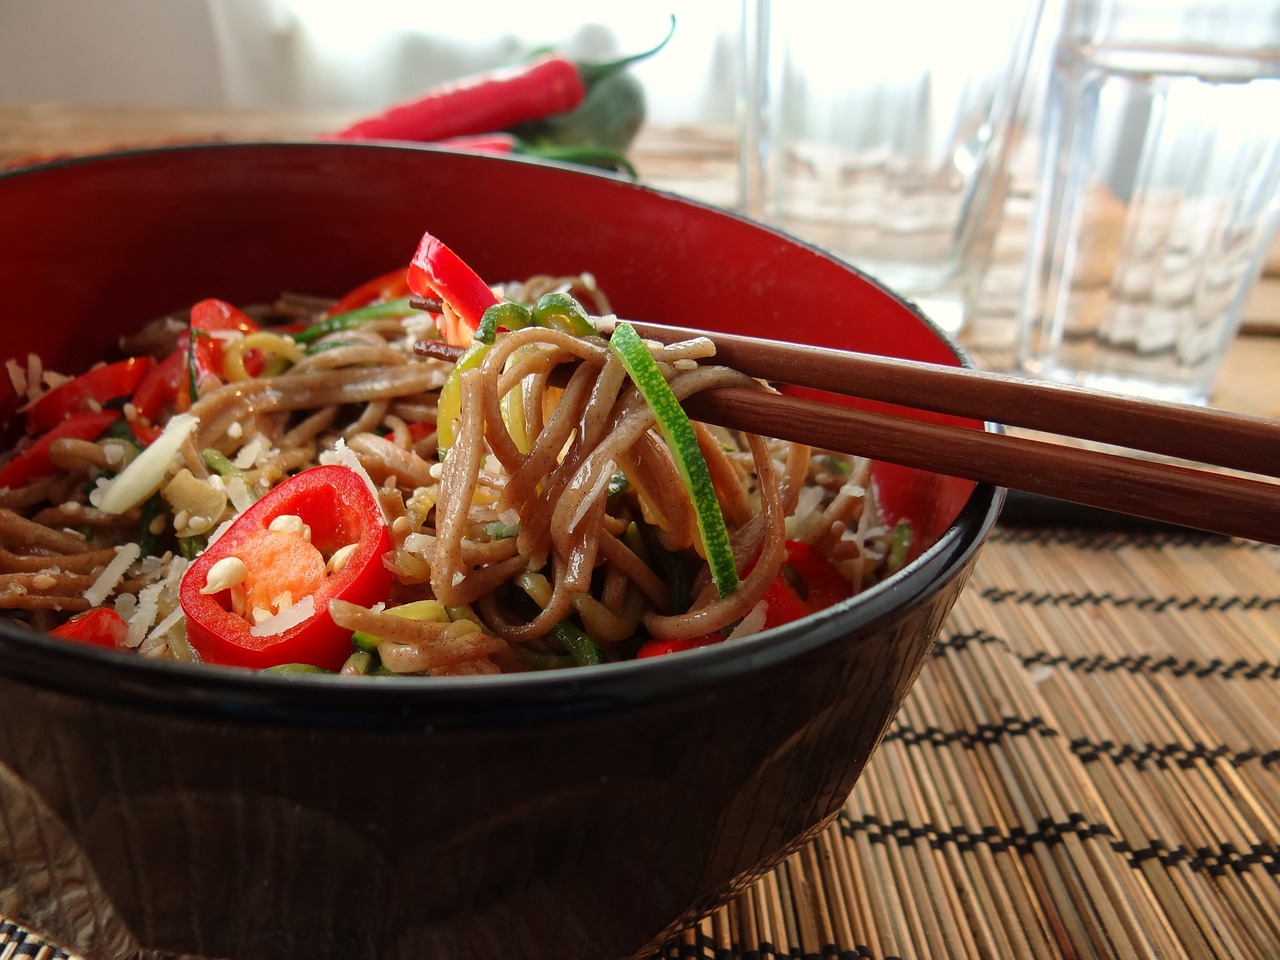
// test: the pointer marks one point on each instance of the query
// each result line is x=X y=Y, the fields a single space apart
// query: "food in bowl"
x=424 y=477
x=574 y=814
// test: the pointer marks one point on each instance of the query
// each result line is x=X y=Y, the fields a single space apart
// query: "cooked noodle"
x=557 y=506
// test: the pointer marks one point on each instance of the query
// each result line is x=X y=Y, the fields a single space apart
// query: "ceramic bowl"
x=579 y=814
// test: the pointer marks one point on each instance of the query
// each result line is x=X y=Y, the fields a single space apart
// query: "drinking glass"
x=880 y=131
x=1157 y=194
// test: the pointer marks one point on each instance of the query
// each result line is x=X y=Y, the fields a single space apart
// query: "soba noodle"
x=558 y=506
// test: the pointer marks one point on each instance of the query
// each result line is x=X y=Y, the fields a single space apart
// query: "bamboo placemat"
x=1089 y=766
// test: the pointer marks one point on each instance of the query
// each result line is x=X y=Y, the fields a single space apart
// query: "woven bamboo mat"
x=1088 y=767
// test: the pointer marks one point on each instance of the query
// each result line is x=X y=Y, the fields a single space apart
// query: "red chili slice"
x=389 y=286
x=340 y=510
x=96 y=386
x=101 y=626
x=436 y=271
x=33 y=463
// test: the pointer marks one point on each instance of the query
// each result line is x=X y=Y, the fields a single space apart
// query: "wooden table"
x=1089 y=766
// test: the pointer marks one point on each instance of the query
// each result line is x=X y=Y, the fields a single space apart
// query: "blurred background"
x=322 y=54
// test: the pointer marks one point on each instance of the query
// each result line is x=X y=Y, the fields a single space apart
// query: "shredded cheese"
x=286 y=619
x=163 y=626
x=342 y=455
x=112 y=574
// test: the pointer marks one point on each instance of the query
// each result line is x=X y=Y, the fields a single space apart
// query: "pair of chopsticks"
x=1188 y=495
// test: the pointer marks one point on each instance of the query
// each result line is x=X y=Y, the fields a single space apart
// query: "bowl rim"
x=197 y=690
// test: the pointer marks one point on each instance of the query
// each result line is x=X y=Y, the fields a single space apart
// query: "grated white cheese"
x=35 y=374
x=248 y=454
x=238 y=492
x=290 y=617
x=163 y=626
x=144 y=615
x=17 y=377
x=341 y=454
x=112 y=574
x=125 y=604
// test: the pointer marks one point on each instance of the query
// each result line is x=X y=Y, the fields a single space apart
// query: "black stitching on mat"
x=1147 y=663
x=704 y=948
x=16 y=941
x=984 y=733
x=1213 y=604
x=1018 y=839
x=1111 y=540
x=1048 y=832
x=1135 y=664
x=1159 y=755
x=1164 y=756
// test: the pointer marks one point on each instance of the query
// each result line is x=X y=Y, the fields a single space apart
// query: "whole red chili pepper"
x=483 y=103
x=339 y=511
x=547 y=86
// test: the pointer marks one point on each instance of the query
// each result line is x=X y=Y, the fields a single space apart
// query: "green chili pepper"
x=386 y=310
x=360 y=662
x=676 y=429
x=581 y=647
x=322 y=346
x=618 y=483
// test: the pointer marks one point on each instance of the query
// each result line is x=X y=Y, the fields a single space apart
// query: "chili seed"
x=227 y=572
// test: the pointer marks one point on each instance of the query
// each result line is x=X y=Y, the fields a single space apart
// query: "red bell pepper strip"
x=101 y=626
x=389 y=286
x=340 y=510
x=33 y=463
x=483 y=103
x=659 y=648
x=95 y=386
x=823 y=585
x=217 y=316
x=436 y=271
x=165 y=386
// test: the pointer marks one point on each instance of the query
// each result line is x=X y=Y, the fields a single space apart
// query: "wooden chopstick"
x=1188 y=495
x=1197 y=434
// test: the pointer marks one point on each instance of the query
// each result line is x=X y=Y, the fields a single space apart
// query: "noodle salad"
x=428 y=476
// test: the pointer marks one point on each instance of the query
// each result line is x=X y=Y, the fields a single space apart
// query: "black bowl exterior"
x=535 y=830
x=206 y=811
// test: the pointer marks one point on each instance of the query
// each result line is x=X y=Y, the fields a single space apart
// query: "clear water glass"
x=1157 y=194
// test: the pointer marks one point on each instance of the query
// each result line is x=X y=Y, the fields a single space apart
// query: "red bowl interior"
x=98 y=247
